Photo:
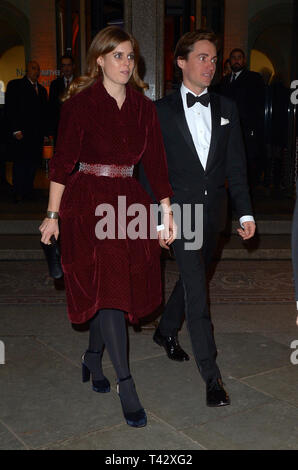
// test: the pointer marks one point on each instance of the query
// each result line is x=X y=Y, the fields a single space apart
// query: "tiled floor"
x=44 y=405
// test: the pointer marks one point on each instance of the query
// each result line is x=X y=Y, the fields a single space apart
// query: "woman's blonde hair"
x=104 y=42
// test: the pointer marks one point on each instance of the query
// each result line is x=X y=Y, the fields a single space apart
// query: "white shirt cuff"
x=297 y=304
x=246 y=218
x=16 y=132
x=160 y=227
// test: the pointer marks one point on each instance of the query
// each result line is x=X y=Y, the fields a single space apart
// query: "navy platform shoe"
x=136 y=419
x=101 y=386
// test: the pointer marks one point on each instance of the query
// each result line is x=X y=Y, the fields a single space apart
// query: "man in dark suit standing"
x=247 y=89
x=204 y=147
x=26 y=113
x=57 y=89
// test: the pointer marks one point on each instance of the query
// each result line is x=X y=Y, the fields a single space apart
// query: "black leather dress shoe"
x=216 y=394
x=171 y=345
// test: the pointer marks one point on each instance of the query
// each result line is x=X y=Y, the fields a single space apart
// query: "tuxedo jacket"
x=226 y=160
x=27 y=112
x=248 y=91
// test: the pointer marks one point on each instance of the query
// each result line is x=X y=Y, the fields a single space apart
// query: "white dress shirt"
x=198 y=119
x=69 y=80
x=199 y=122
x=236 y=75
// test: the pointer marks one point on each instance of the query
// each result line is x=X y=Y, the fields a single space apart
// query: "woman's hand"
x=19 y=135
x=48 y=228
x=169 y=233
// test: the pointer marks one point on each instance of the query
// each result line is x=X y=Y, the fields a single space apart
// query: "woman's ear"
x=99 y=61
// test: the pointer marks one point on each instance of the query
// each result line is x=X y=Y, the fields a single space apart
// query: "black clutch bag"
x=53 y=257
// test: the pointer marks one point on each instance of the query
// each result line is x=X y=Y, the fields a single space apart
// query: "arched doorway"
x=14 y=53
x=15 y=42
x=271 y=32
x=260 y=62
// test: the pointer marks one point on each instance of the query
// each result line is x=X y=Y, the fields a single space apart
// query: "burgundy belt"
x=113 y=171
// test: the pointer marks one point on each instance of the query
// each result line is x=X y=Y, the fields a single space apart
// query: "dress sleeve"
x=68 y=145
x=154 y=158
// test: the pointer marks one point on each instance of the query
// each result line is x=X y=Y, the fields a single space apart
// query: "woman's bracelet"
x=52 y=215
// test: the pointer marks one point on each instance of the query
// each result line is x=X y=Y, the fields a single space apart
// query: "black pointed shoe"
x=216 y=394
x=171 y=345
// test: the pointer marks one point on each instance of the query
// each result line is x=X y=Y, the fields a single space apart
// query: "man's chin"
x=236 y=69
x=206 y=82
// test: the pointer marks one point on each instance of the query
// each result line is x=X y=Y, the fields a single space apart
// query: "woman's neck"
x=118 y=92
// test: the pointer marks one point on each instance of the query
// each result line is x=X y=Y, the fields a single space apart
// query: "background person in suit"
x=57 y=89
x=226 y=68
x=3 y=138
x=204 y=147
x=247 y=89
x=26 y=113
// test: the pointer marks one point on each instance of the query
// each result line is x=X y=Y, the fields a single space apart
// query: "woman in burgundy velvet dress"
x=107 y=127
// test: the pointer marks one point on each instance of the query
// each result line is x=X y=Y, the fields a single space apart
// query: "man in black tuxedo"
x=26 y=113
x=204 y=148
x=247 y=89
x=57 y=89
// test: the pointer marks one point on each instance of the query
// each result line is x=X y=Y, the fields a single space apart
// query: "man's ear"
x=180 y=62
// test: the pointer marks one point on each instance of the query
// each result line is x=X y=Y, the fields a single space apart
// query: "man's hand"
x=169 y=233
x=248 y=231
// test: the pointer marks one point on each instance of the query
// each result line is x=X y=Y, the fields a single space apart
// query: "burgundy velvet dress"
x=116 y=273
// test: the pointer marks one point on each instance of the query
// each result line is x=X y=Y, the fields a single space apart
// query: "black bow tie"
x=192 y=99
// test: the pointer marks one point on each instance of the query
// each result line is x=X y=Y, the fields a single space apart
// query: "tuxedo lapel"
x=182 y=125
x=215 y=119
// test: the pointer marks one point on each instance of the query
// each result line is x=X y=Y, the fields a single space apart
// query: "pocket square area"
x=224 y=121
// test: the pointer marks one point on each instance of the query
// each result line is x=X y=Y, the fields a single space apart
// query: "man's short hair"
x=186 y=43
x=67 y=56
x=237 y=49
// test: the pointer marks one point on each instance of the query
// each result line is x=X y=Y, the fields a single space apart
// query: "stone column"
x=236 y=26
x=43 y=38
x=83 y=35
x=145 y=20
x=198 y=14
